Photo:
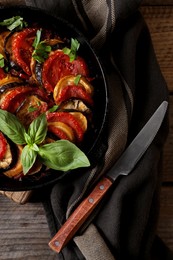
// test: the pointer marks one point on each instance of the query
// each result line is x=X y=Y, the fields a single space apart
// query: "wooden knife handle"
x=78 y=217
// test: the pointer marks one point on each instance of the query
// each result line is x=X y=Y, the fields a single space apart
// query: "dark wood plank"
x=168 y=148
x=157 y=2
x=165 y=226
x=160 y=23
x=24 y=232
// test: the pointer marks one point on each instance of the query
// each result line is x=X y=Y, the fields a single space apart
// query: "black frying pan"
x=93 y=138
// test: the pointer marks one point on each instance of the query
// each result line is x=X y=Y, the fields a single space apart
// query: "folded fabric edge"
x=92 y=245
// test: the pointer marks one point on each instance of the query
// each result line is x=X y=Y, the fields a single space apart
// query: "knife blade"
x=123 y=166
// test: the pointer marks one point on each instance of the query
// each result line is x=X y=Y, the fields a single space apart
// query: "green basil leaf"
x=2 y=63
x=54 y=108
x=32 y=109
x=28 y=158
x=77 y=79
x=74 y=45
x=66 y=50
x=38 y=129
x=72 y=52
x=28 y=139
x=13 y=23
x=35 y=147
x=63 y=155
x=11 y=127
x=17 y=23
x=8 y=21
x=37 y=39
x=41 y=50
x=38 y=58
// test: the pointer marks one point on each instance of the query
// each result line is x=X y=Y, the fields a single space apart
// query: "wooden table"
x=30 y=235
x=159 y=17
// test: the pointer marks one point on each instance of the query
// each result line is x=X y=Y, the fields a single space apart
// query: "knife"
x=123 y=166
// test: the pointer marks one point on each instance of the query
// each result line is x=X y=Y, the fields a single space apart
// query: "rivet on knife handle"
x=79 y=216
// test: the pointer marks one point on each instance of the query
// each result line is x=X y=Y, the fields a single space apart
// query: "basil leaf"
x=62 y=155
x=28 y=158
x=35 y=147
x=28 y=139
x=37 y=39
x=11 y=127
x=53 y=109
x=74 y=45
x=66 y=50
x=32 y=109
x=38 y=129
x=2 y=62
x=13 y=23
x=8 y=21
x=42 y=50
x=38 y=58
x=72 y=52
x=77 y=79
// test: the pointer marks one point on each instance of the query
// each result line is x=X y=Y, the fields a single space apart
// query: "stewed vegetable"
x=41 y=74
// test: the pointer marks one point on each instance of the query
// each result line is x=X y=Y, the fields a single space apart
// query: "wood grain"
x=158 y=15
x=165 y=226
x=168 y=149
x=157 y=2
x=160 y=22
x=24 y=232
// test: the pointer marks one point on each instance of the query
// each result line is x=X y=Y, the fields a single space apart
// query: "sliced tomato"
x=2 y=74
x=3 y=146
x=11 y=100
x=81 y=119
x=58 y=132
x=58 y=65
x=22 y=48
x=68 y=119
x=66 y=89
x=70 y=81
x=62 y=130
x=74 y=92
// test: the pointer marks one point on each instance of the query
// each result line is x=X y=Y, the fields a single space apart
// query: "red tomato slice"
x=11 y=100
x=58 y=132
x=22 y=48
x=2 y=74
x=68 y=119
x=74 y=92
x=58 y=65
x=3 y=146
x=62 y=130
